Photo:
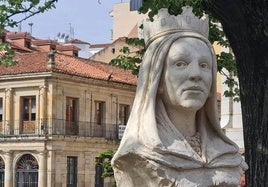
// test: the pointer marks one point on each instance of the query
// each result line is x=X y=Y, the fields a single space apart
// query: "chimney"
x=68 y=49
x=21 y=38
x=45 y=45
x=51 y=60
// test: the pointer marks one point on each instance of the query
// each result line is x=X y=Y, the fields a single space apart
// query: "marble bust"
x=173 y=136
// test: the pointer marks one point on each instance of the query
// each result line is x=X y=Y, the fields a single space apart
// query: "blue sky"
x=90 y=20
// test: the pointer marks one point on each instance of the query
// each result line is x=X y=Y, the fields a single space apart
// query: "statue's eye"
x=181 y=64
x=204 y=65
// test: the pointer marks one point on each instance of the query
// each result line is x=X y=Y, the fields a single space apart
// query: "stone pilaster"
x=8 y=110
x=50 y=168
x=42 y=174
x=43 y=107
x=8 y=169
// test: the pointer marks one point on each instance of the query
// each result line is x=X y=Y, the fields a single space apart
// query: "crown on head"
x=164 y=24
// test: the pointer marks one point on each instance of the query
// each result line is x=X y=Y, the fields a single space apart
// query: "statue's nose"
x=194 y=72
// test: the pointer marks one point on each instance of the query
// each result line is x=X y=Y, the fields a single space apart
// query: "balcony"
x=57 y=127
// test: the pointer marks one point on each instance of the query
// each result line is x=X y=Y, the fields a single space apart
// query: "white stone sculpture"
x=173 y=136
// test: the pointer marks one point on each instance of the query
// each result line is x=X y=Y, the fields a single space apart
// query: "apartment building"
x=57 y=113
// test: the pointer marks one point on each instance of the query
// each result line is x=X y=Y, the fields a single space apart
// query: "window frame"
x=1 y=109
x=123 y=115
x=28 y=114
x=100 y=110
x=72 y=165
x=31 y=115
x=71 y=115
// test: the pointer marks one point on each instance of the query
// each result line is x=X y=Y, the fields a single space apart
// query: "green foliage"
x=7 y=54
x=105 y=158
x=128 y=60
x=226 y=63
x=216 y=35
x=13 y=12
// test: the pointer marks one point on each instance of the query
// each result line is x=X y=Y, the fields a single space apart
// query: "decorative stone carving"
x=173 y=136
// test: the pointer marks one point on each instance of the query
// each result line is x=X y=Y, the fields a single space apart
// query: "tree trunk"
x=245 y=24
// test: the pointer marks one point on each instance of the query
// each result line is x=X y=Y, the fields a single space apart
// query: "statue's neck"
x=183 y=120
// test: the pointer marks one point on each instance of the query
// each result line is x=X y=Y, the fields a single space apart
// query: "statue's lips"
x=194 y=88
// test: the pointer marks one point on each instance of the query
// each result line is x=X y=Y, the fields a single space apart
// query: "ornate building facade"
x=57 y=113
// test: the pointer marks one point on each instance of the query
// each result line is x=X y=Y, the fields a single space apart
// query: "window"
x=99 y=119
x=75 y=54
x=99 y=180
x=70 y=109
x=29 y=109
x=71 y=171
x=28 y=115
x=1 y=115
x=135 y=4
x=53 y=48
x=123 y=114
x=27 y=171
x=1 y=109
x=2 y=172
x=71 y=115
x=28 y=44
x=99 y=112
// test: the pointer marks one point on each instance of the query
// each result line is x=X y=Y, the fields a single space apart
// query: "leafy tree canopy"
x=226 y=60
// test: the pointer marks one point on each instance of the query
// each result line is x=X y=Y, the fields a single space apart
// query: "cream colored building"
x=124 y=20
x=125 y=25
x=112 y=51
x=57 y=113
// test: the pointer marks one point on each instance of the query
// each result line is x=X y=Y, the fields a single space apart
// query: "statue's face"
x=187 y=76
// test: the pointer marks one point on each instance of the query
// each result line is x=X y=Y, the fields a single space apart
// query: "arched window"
x=2 y=172
x=27 y=171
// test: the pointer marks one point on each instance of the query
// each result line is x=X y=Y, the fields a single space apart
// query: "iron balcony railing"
x=50 y=127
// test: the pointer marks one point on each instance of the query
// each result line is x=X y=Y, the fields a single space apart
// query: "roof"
x=67 y=47
x=15 y=39
x=41 y=42
x=36 y=62
x=77 y=41
x=18 y=48
x=100 y=45
x=134 y=32
x=18 y=35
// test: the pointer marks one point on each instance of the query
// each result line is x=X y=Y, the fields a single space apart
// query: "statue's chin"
x=192 y=100
x=192 y=104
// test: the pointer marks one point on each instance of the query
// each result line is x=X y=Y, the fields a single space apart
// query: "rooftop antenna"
x=19 y=28
x=71 y=31
x=31 y=26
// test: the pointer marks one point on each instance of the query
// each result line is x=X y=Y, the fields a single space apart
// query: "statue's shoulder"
x=133 y=170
